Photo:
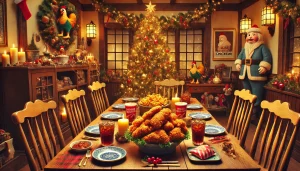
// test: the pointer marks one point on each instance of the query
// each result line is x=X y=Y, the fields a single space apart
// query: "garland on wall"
x=182 y=20
x=47 y=17
x=286 y=9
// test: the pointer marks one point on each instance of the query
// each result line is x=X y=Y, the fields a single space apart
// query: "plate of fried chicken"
x=158 y=131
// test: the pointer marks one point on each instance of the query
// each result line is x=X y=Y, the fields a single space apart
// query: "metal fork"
x=88 y=155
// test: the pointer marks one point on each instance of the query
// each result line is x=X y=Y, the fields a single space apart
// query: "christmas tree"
x=149 y=59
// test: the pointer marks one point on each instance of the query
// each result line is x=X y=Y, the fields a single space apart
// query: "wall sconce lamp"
x=268 y=19
x=90 y=32
x=245 y=24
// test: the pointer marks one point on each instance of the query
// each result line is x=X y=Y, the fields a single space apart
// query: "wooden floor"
x=293 y=165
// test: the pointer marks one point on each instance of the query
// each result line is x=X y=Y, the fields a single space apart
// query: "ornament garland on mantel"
x=47 y=17
x=286 y=9
x=289 y=82
x=182 y=20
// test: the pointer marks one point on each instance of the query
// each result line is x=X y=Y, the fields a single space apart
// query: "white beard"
x=250 y=47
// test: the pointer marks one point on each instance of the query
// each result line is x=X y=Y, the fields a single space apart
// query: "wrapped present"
x=203 y=152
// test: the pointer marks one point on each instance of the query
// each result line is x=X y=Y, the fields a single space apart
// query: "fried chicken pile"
x=158 y=126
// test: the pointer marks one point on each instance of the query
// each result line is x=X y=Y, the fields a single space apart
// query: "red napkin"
x=203 y=152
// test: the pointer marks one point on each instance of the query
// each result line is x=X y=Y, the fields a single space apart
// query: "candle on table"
x=174 y=100
x=21 y=56
x=13 y=55
x=64 y=116
x=5 y=59
x=123 y=125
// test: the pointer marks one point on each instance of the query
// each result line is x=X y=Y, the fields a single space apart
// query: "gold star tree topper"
x=150 y=7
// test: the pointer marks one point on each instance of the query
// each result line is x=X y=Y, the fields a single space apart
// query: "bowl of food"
x=158 y=131
x=61 y=59
x=146 y=103
x=81 y=145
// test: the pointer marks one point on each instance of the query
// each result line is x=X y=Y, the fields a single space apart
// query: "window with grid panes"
x=171 y=42
x=117 y=49
x=190 y=49
x=295 y=55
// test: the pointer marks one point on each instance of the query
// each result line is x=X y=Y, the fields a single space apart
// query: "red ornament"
x=167 y=50
x=146 y=38
x=281 y=86
x=275 y=84
x=298 y=20
x=155 y=41
x=129 y=81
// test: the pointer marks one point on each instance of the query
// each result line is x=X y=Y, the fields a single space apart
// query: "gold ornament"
x=150 y=7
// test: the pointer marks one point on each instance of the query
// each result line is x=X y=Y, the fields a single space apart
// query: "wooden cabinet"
x=198 y=89
x=22 y=84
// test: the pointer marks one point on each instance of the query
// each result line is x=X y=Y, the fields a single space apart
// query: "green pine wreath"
x=47 y=19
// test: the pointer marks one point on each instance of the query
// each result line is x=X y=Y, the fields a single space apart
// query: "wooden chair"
x=99 y=97
x=36 y=124
x=239 y=118
x=77 y=111
x=278 y=135
x=169 y=87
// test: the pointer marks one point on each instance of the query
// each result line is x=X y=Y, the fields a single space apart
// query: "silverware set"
x=87 y=156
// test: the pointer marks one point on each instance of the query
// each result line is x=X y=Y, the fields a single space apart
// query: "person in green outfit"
x=255 y=64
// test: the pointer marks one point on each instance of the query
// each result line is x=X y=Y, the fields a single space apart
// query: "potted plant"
x=32 y=52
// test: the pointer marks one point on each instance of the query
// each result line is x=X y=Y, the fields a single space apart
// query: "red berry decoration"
x=281 y=86
x=146 y=38
x=275 y=84
x=155 y=41
x=167 y=50
x=129 y=81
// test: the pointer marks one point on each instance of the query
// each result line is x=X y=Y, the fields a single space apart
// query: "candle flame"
x=13 y=45
x=293 y=71
x=4 y=52
x=21 y=50
x=64 y=111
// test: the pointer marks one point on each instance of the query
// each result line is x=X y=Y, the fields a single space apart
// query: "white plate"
x=193 y=106
x=214 y=129
x=130 y=99
x=81 y=149
x=93 y=129
x=200 y=115
x=109 y=154
x=118 y=106
x=112 y=115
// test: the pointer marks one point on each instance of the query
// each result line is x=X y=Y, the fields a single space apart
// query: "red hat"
x=254 y=28
x=222 y=33
x=63 y=7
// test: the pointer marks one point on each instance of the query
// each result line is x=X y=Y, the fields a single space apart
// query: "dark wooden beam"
x=161 y=7
x=139 y=1
x=172 y=1
x=246 y=4
x=102 y=44
x=76 y=3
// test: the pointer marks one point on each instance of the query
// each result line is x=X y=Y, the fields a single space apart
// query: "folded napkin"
x=68 y=160
x=203 y=152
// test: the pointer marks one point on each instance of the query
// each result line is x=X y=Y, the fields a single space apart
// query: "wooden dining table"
x=66 y=159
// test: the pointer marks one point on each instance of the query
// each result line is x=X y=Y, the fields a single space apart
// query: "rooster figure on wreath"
x=196 y=72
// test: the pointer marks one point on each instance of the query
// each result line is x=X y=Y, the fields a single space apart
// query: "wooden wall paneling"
x=281 y=54
x=207 y=42
x=78 y=7
x=102 y=40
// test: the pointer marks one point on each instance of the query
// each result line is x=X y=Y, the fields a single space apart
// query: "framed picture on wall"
x=3 y=29
x=224 y=44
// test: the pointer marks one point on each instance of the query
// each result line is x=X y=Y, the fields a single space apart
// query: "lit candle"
x=174 y=100
x=64 y=116
x=21 y=56
x=13 y=55
x=90 y=58
x=5 y=59
x=123 y=125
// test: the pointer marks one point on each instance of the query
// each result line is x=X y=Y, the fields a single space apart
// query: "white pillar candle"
x=5 y=59
x=174 y=100
x=123 y=125
x=13 y=55
x=21 y=56
x=64 y=115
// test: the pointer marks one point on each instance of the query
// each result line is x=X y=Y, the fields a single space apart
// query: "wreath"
x=52 y=23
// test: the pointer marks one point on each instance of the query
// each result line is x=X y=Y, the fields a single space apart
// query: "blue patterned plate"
x=130 y=99
x=109 y=154
x=118 y=106
x=93 y=129
x=214 y=129
x=112 y=115
x=200 y=115
x=194 y=106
